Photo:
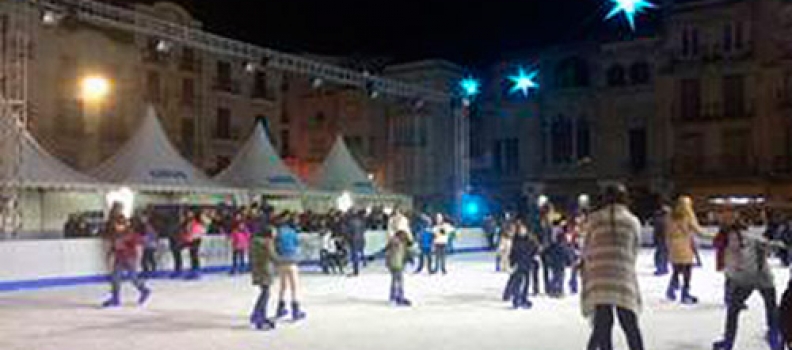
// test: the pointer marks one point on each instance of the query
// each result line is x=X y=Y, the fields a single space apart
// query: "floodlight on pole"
x=94 y=88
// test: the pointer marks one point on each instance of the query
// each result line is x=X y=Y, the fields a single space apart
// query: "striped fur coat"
x=609 y=258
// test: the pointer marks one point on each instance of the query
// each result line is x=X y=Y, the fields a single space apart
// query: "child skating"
x=240 y=243
x=288 y=248
x=396 y=255
x=262 y=261
x=124 y=244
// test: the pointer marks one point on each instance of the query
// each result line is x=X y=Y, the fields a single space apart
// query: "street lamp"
x=94 y=88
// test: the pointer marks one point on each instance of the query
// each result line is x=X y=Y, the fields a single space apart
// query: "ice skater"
x=441 y=232
x=148 y=263
x=240 y=244
x=610 y=281
x=396 y=255
x=505 y=245
x=287 y=246
x=425 y=243
x=785 y=313
x=558 y=256
x=523 y=257
x=659 y=222
x=748 y=270
x=682 y=228
x=124 y=244
x=262 y=260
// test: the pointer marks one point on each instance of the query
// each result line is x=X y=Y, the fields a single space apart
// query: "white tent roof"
x=40 y=169
x=257 y=165
x=341 y=172
x=148 y=161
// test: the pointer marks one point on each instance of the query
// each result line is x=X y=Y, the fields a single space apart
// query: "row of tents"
x=151 y=166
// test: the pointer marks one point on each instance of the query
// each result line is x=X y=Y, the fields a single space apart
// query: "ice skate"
x=688 y=299
x=145 y=293
x=722 y=345
x=297 y=314
x=114 y=301
x=671 y=293
x=281 y=311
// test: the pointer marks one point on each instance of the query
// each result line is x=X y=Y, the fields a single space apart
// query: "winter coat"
x=240 y=238
x=195 y=230
x=397 y=253
x=523 y=251
x=357 y=231
x=442 y=233
x=680 y=241
x=262 y=259
x=746 y=261
x=785 y=315
x=610 y=252
x=426 y=239
x=122 y=241
x=287 y=243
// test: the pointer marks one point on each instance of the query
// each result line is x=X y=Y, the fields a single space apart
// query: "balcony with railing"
x=713 y=112
x=226 y=85
x=721 y=166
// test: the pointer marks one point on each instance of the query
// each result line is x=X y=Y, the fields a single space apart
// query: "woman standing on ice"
x=397 y=252
x=441 y=232
x=609 y=277
x=747 y=270
x=287 y=245
x=682 y=229
x=262 y=260
x=505 y=244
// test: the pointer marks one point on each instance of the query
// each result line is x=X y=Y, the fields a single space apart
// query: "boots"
x=687 y=298
x=114 y=301
x=774 y=339
x=281 y=311
x=297 y=314
x=401 y=300
x=145 y=293
x=573 y=286
x=260 y=321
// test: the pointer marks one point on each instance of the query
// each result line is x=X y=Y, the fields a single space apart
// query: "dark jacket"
x=356 y=227
x=523 y=252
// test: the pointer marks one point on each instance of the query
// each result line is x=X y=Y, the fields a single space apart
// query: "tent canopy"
x=38 y=168
x=148 y=161
x=258 y=166
x=341 y=172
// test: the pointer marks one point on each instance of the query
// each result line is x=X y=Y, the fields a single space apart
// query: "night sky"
x=469 y=32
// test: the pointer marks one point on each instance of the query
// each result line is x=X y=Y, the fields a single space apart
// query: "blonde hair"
x=683 y=211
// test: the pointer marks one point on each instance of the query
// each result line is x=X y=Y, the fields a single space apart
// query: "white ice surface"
x=461 y=311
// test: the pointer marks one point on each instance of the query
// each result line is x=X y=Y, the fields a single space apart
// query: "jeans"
x=116 y=277
x=426 y=254
x=149 y=262
x=176 y=248
x=357 y=256
x=535 y=276
x=260 y=309
x=738 y=295
x=518 y=285
x=397 y=285
x=237 y=261
x=440 y=259
x=558 y=274
x=603 y=327
x=661 y=259
x=195 y=258
x=546 y=274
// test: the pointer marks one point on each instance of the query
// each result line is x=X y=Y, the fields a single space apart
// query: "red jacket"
x=720 y=243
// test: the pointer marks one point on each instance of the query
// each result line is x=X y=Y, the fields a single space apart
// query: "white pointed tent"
x=149 y=162
x=40 y=169
x=258 y=167
x=341 y=172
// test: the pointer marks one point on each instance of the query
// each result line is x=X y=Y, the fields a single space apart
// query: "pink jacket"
x=240 y=238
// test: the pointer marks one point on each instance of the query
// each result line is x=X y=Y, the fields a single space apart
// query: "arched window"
x=616 y=75
x=639 y=73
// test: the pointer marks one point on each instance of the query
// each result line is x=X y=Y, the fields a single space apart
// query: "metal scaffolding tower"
x=17 y=31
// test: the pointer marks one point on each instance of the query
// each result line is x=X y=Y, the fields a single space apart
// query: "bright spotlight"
x=523 y=82
x=250 y=67
x=163 y=46
x=542 y=200
x=51 y=18
x=317 y=83
x=125 y=196
x=344 y=202
x=94 y=88
x=470 y=87
x=630 y=8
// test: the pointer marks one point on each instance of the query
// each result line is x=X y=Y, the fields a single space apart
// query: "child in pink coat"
x=240 y=244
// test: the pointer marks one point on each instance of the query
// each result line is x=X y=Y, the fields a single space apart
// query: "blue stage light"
x=630 y=8
x=470 y=87
x=524 y=82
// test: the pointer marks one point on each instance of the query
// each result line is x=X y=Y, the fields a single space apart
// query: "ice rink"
x=460 y=311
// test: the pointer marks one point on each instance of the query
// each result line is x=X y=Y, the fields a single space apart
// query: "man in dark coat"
x=356 y=231
x=661 y=250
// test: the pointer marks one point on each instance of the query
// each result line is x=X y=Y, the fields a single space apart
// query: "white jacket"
x=397 y=223
x=442 y=232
